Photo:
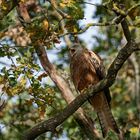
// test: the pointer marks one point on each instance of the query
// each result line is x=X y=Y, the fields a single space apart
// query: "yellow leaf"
x=127 y=98
x=4 y=7
x=45 y=24
x=2 y=80
x=23 y=81
x=134 y=130
x=13 y=90
x=22 y=0
x=75 y=29
x=62 y=5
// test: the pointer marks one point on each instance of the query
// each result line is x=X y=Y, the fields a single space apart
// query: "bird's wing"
x=98 y=65
x=100 y=70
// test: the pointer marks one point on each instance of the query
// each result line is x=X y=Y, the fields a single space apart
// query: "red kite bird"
x=87 y=69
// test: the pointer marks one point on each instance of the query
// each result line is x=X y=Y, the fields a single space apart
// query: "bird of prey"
x=87 y=69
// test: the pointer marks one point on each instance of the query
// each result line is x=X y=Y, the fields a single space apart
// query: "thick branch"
x=51 y=124
x=126 y=30
x=52 y=72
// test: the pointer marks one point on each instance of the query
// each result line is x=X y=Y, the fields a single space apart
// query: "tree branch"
x=124 y=24
x=51 y=124
x=126 y=30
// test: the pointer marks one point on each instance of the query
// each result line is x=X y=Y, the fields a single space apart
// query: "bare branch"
x=87 y=27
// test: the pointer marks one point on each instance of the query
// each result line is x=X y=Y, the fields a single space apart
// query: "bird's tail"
x=104 y=113
x=107 y=121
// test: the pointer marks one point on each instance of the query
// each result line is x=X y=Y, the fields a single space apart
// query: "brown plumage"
x=87 y=69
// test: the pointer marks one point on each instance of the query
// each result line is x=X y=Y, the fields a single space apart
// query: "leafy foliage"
x=31 y=96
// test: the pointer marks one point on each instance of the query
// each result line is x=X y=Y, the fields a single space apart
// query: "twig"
x=87 y=27
x=97 y=5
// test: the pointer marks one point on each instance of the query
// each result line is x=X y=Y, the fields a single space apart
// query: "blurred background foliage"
x=30 y=94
